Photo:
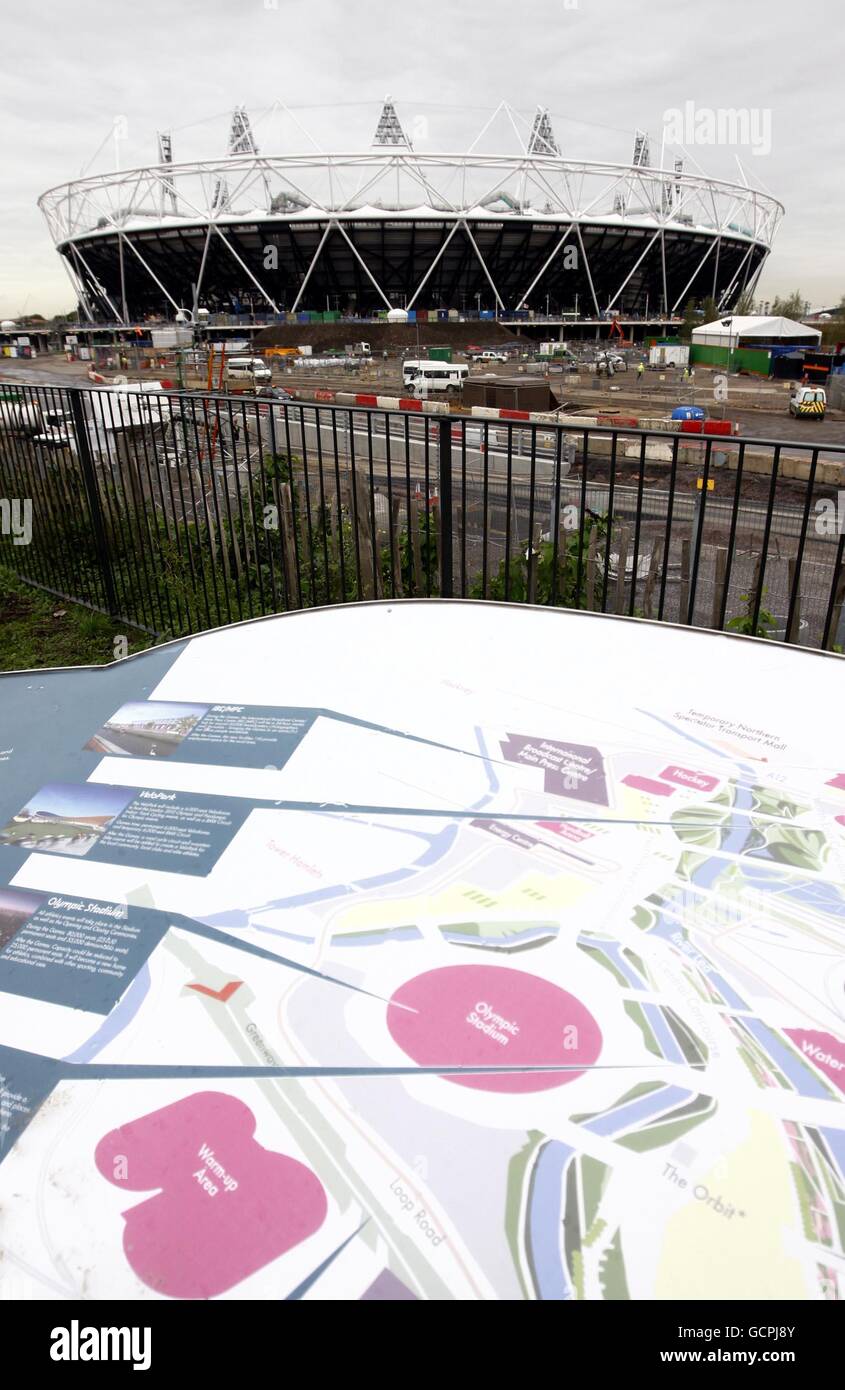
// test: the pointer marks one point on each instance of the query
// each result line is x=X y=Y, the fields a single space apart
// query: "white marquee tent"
x=738 y=329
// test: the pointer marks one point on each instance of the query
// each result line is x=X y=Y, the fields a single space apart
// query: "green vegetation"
x=638 y=964
x=521 y=1172
x=773 y=802
x=806 y=1201
x=791 y=306
x=690 y=321
x=692 y=1046
x=38 y=630
x=533 y=576
x=643 y=1088
x=669 y=1128
x=501 y=936
x=701 y=825
x=637 y=1016
x=744 y=622
x=612 y=1276
x=643 y=918
x=266 y=550
x=786 y=844
x=697 y=312
x=595 y=953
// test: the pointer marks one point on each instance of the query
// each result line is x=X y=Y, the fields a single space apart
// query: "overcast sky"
x=603 y=67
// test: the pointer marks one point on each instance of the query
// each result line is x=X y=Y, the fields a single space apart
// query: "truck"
x=252 y=369
x=669 y=355
x=489 y=355
x=29 y=420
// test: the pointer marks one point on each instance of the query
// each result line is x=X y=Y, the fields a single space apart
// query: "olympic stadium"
x=511 y=223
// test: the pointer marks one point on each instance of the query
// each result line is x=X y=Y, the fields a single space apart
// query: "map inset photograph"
x=147 y=728
x=16 y=908
x=66 y=818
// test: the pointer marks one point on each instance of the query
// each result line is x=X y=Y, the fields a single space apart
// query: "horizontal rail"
x=177 y=511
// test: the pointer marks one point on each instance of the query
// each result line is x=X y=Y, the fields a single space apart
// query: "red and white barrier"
x=371 y=402
x=366 y=401
x=621 y=422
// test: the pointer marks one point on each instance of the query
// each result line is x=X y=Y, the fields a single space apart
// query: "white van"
x=248 y=369
x=424 y=376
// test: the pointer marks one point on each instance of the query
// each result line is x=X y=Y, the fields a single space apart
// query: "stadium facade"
x=395 y=226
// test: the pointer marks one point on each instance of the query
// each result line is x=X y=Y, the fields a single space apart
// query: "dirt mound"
x=396 y=337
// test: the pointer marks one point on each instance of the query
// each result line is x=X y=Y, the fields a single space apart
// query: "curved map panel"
x=425 y=951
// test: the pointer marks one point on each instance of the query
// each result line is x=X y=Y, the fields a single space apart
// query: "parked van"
x=248 y=369
x=426 y=376
x=808 y=400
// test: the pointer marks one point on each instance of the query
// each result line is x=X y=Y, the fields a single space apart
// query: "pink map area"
x=488 y=1015
x=822 y=1049
x=225 y=1206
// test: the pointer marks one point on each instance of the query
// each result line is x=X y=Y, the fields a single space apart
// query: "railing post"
x=89 y=478
x=444 y=450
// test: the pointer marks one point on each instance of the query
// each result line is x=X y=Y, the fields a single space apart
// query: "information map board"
x=425 y=951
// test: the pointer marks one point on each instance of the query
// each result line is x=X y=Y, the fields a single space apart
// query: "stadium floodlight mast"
x=452 y=221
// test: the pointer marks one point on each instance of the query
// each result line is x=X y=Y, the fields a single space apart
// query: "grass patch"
x=39 y=630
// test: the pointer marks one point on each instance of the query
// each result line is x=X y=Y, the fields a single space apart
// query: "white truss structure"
x=392 y=183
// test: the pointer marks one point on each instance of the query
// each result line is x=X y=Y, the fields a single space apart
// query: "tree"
x=792 y=307
x=745 y=303
x=563 y=579
x=690 y=321
x=710 y=310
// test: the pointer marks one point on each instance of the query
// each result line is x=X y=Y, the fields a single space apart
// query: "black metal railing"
x=179 y=511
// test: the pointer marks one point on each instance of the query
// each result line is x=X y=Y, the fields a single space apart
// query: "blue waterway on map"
x=377 y=938
x=637 y=1112
x=812 y=892
x=804 y=1081
x=835 y=1140
x=288 y=935
x=727 y=992
x=120 y=1017
x=766 y=877
x=613 y=951
x=663 y=1033
x=438 y=844
x=545 y=1221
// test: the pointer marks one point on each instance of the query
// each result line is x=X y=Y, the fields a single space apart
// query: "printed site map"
x=425 y=951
